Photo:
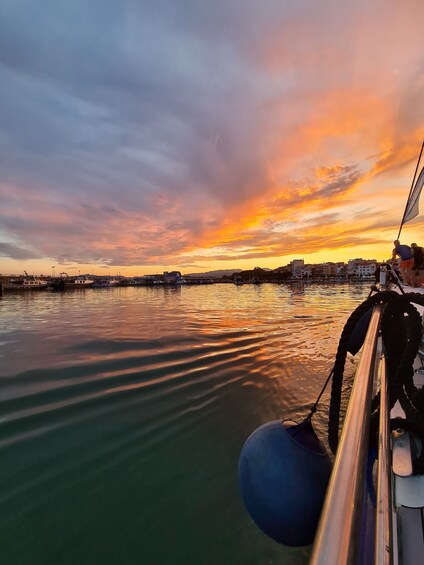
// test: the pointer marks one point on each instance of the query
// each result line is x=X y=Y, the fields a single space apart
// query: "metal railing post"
x=383 y=537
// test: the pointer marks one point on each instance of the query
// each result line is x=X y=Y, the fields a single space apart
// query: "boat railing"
x=339 y=535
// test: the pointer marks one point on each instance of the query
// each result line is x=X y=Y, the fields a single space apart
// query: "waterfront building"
x=361 y=267
x=172 y=277
x=296 y=267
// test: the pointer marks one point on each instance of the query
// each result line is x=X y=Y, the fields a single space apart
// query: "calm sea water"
x=123 y=412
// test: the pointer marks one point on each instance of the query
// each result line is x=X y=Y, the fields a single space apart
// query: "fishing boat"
x=80 y=281
x=27 y=282
x=365 y=502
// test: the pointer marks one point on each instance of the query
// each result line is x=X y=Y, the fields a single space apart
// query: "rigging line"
x=314 y=407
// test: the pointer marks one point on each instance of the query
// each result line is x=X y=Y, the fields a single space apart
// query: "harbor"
x=295 y=272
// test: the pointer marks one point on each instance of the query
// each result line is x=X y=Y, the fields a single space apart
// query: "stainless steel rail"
x=383 y=534
x=338 y=531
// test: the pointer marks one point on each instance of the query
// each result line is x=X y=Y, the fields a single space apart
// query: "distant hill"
x=214 y=274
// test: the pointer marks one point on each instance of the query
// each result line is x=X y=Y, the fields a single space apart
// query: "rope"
x=339 y=364
x=402 y=332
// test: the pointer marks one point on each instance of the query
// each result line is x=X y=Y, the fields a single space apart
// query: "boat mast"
x=410 y=190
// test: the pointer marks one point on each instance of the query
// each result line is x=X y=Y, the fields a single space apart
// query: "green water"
x=123 y=412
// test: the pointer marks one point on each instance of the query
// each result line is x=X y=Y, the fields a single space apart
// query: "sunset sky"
x=151 y=135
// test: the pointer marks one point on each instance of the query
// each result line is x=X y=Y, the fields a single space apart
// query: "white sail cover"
x=411 y=209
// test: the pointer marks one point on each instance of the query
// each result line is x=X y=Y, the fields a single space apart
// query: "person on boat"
x=418 y=266
x=406 y=260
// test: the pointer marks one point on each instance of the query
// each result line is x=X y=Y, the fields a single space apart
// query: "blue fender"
x=283 y=475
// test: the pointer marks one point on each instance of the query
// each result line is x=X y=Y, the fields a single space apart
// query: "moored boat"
x=80 y=281
x=27 y=282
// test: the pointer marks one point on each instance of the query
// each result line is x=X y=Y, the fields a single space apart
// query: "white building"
x=361 y=267
x=297 y=267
